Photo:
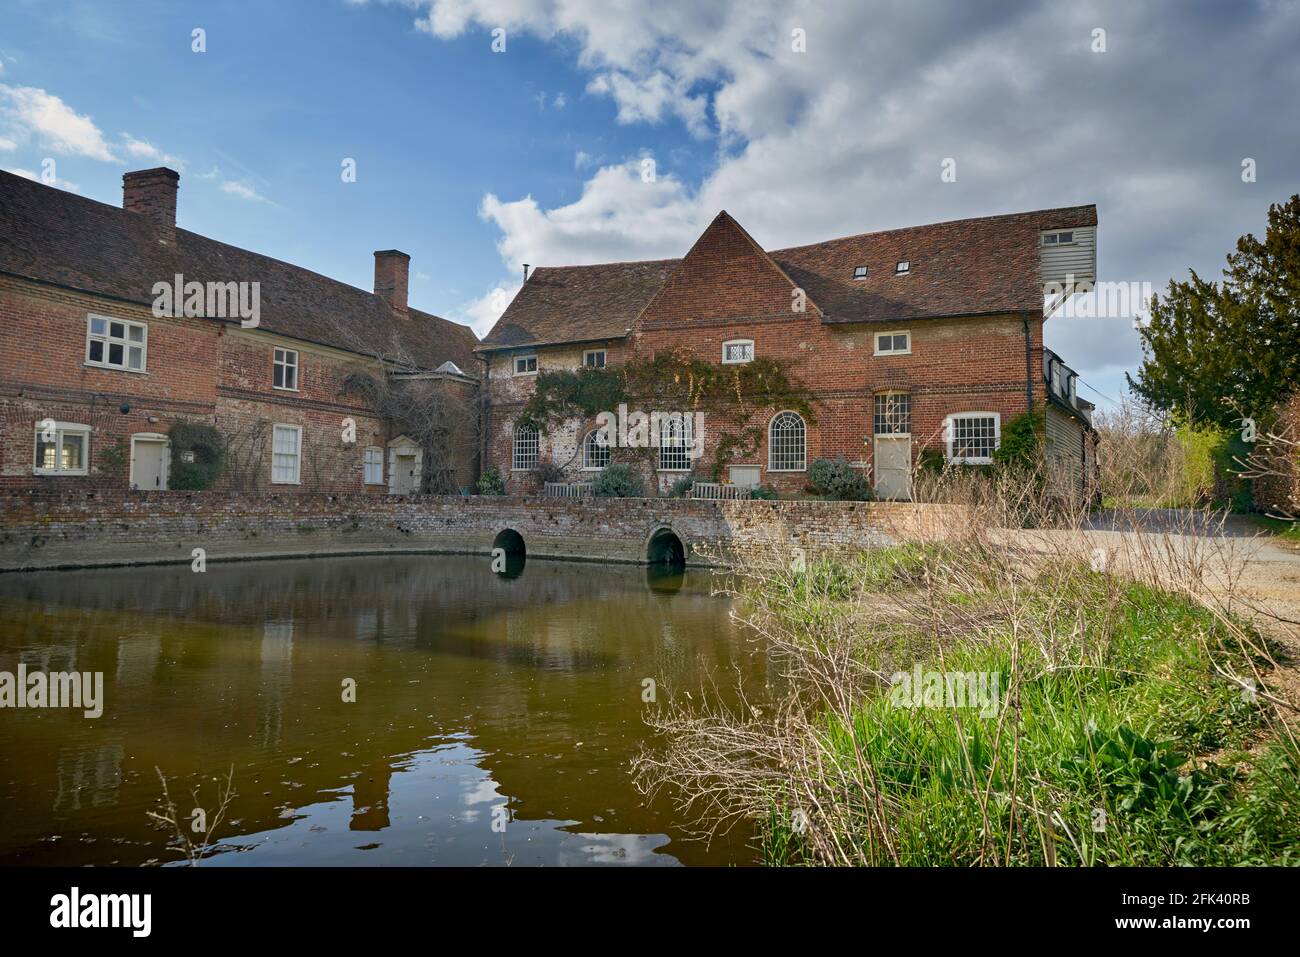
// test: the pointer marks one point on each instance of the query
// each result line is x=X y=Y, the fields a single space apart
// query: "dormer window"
x=859 y=272
x=1058 y=239
x=903 y=267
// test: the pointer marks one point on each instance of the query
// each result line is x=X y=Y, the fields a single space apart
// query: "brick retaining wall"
x=41 y=529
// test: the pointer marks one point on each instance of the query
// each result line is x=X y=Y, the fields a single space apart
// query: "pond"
x=493 y=722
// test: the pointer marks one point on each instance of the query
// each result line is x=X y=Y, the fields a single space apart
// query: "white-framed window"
x=972 y=437
x=892 y=413
x=1058 y=239
x=524 y=454
x=116 y=343
x=286 y=454
x=525 y=365
x=898 y=343
x=594 y=358
x=595 y=454
x=284 y=370
x=676 y=437
x=787 y=443
x=736 y=351
x=373 y=463
x=859 y=272
x=62 y=448
x=902 y=267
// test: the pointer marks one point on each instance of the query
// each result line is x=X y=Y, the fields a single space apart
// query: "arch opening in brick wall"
x=665 y=547
x=509 y=553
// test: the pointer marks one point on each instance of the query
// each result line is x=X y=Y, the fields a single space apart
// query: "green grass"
x=1278 y=526
x=1137 y=731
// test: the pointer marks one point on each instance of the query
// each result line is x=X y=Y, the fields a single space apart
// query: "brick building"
x=99 y=360
x=916 y=338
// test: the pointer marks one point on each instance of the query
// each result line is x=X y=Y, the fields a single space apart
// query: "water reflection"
x=473 y=691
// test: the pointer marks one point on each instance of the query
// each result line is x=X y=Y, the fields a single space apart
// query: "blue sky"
x=475 y=161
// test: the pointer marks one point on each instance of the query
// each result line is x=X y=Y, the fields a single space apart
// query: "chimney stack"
x=392 y=275
x=152 y=193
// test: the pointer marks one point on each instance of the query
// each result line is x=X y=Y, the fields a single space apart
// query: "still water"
x=479 y=698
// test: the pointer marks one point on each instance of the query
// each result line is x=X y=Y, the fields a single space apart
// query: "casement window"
x=62 y=448
x=525 y=365
x=286 y=454
x=894 y=343
x=737 y=351
x=787 y=443
x=893 y=413
x=116 y=343
x=594 y=358
x=902 y=267
x=1058 y=239
x=526 y=444
x=373 y=462
x=676 y=437
x=284 y=370
x=859 y=272
x=595 y=454
x=973 y=437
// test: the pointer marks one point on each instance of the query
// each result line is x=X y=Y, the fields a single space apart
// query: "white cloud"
x=850 y=135
x=144 y=150
x=243 y=190
x=481 y=314
x=7 y=145
x=32 y=113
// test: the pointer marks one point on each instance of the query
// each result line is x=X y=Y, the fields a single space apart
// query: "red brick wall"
x=197 y=370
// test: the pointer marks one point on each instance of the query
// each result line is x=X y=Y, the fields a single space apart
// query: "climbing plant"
x=676 y=381
x=209 y=455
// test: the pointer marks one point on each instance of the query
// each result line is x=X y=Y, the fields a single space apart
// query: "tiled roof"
x=58 y=237
x=579 y=303
x=964 y=267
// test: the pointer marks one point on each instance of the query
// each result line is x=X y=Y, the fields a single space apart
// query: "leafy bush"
x=618 y=480
x=547 y=471
x=765 y=492
x=491 y=482
x=932 y=460
x=209 y=454
x=837 y=479
x=1021 y=445
x=682 y=487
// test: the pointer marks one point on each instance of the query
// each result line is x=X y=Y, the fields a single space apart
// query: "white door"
x=149 y=464
x=893 y=462
x=403 y=479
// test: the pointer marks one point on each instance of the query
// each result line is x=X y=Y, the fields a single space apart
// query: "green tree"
x=1218 y=352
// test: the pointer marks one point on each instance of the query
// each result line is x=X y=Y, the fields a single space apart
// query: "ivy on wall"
x=674 y=381
x=200 y=469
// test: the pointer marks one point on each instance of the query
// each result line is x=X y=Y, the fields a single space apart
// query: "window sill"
x=58 y=473
x=105 y=367
x=274 y=482
x=280 y=388
x=788 y=471
x=886 y=355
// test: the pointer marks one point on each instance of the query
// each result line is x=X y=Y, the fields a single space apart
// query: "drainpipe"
x=1029 y=366
x=483 y=416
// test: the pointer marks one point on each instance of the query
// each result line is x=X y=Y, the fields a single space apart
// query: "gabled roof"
x=54 y=236
x=965 y=267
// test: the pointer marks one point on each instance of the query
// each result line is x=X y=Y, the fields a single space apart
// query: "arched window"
x=676 y=440
x=525 y=448
x=787 y=443
x=595 y=455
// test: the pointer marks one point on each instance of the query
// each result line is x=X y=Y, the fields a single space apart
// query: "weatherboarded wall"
x=61 y=529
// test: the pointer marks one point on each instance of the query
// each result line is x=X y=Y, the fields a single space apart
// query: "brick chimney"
x=392 y=274
x=152 y=193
